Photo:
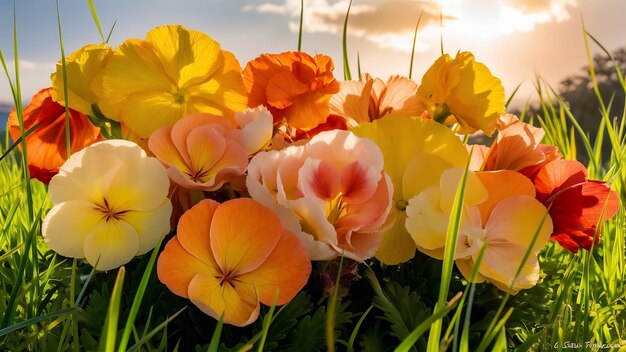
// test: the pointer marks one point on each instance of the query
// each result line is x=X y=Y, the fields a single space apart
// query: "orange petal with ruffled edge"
x=176 y=267
x=284 y=272
x=243 y=234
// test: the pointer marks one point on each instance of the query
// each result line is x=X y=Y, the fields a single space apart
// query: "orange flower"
x=294 y=86
x=226 y=258
x=46 y=145
x=370 y=99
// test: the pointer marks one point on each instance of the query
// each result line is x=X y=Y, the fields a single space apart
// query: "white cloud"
x=391 y=23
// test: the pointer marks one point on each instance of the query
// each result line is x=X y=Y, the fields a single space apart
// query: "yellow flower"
x=174 y=72
x=84 y=70
x=462 y=91
x=110 y=204
x=415 y=152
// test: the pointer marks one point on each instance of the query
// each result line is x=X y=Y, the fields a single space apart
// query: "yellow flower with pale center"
x=416 y=152
x=110 y=204
x=174 y=72
x=464 y=92
x=84 y=69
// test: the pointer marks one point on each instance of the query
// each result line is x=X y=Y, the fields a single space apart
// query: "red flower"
x=46 y=144
x=576 y=203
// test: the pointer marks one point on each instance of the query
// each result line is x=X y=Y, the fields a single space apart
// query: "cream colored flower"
x=110 y=204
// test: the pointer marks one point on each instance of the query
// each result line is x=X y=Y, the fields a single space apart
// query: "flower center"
x=179 y=97
x=335 y=208
x=401 y=204
x=108 y=212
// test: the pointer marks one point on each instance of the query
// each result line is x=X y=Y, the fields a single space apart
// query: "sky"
x=516 y=39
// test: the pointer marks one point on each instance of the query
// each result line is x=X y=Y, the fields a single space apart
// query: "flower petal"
x=67 y=224
x=285 y=270
x=501 y=185
x=150 y=225
x=194 y=231
x=176 y=267
x=111 y=244
x=129 y=192
x=397 y=245
x=243 y=234
x=239 y=304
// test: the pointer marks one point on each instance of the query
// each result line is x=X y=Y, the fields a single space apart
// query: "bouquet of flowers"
x=251 y=175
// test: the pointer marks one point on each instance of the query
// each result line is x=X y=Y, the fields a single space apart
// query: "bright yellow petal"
x=67 y=224
x=238 y=304
x=111 y=244
x=478 y=99
x=84 y=69
x=397 y=245
x=223 y=94
x=176 y=267
x=133 y=69
x=140 y=184
x=284 y=272
x=422 y=172
x=187 y=56
x=243 y=234
x=401 y=139
x=144 y=112
x=150 y=225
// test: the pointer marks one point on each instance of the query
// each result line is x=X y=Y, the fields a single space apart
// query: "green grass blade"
x=18 y=141
x=300 y=28
x=68 y=143
x=109 y=330
x=214 y=345
x=111 y=31
x=141 y=290
x=513 y=94
x=417 y=26
x=29 y=322
x=267 y=322
x=346 y=63
x=155 y=331
x=441 y=32
x=94 y=14
x=408 y=343
x=331 y=310
x=355 y=331
x=454 y=225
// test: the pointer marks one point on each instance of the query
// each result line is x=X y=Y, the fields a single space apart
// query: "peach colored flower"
x=501 y=211
x=226 y=258
x=331 y=192
x=47 y=145
x=370 y=99
x=294 y=86
x=110 y=204
x=200 y=151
